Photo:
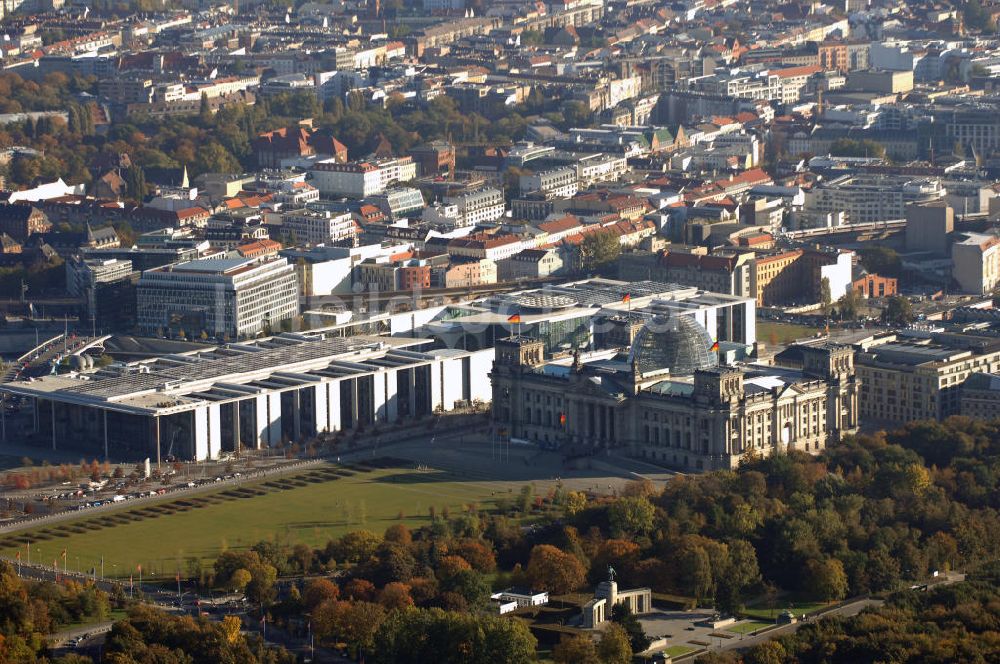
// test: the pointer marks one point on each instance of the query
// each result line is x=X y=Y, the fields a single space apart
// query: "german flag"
x=626 y=298
x=514 y=318
x=715 y=346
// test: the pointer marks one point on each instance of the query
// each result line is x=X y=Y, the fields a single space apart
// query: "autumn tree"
x=614 y=647
x=577 y=649
x=318 y=591
x=554 y=571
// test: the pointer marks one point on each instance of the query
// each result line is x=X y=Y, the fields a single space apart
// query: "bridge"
x=37 y=360
x=867 y=228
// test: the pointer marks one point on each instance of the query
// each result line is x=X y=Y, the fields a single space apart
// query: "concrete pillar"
x=53 y=409
x=322 y=422
x=156 y=437
x=333 y=413
x=378 y=396
x=262 y=434
x=437 y=382
x=273 y=419
x=354 y=402
x=200 y=433
x=297 y=414
x=237 y=434
x=391 y=409
x=413 y=390
x=105 y=413
x=214 y=430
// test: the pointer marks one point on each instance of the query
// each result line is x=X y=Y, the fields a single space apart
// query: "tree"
x=825 y=298
x=848 y=147
x=899 y=311
x=849 y=304
x=356 y=623
x=395 y=595
x=614 y=647
x=576 y=501
x=416 y=636
x=240 y=579
x=881 y=260
x=599 y=248
x=631 y=516
x=356 y=546
x=577 y=649
x=552 y=570
x=825 y=579
x=577 y=114
x=318 y=591
x=769 y=652
x=622 y=614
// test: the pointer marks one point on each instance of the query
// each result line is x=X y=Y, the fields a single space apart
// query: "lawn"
x=677 y=651
x=309 y=507
x=747 y=627
x=798 y=608
x=772 y=332
x=115 y=615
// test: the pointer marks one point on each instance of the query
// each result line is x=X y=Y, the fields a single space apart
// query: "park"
x=309 y=507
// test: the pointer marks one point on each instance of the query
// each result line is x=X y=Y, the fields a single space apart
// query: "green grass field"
x=772 y=332
x=677 y=651
x=747 y=627
x=309 y=507
x=798 y=608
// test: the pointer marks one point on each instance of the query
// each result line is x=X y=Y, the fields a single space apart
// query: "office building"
x=222 y=297
x=867 y=198
x=561 y=182
x=928 y=226
x=976 y=263
x=590 y=313
x=906 y=379
x=318 y=226
x=107 y=290
x=250 y=395
x=980 y=396
x=361 y=179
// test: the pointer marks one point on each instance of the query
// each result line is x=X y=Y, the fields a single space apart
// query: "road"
x=847 y=610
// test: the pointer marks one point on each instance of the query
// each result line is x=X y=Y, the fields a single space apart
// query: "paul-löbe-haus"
x=255 y=394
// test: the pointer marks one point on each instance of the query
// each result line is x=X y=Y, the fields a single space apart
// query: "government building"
x=667 y=400
x=252 y=395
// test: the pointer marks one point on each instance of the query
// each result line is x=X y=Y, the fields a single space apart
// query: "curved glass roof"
x=677 y=343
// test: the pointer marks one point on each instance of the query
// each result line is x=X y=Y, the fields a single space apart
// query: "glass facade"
x=678 y=343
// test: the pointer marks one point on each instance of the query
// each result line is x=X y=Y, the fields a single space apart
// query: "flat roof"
x=181 y=381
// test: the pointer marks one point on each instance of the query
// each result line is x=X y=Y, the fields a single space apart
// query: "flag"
x=64 y=554
x=715 y=347
x=139 y=567
x=514 y=318
x=626 y=298
x=562 y=419
x=18 y=555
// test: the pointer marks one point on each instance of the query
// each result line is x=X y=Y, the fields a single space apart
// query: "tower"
x=515 y=356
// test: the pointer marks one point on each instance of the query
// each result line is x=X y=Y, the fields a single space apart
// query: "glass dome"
x=678 y=343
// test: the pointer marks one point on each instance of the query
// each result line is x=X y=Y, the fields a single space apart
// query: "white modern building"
x=234 y=297
x=361 y=179
x=976 y=263
x=561 y=182
x=251 y=395
x=468 y=208
x=314 y=226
